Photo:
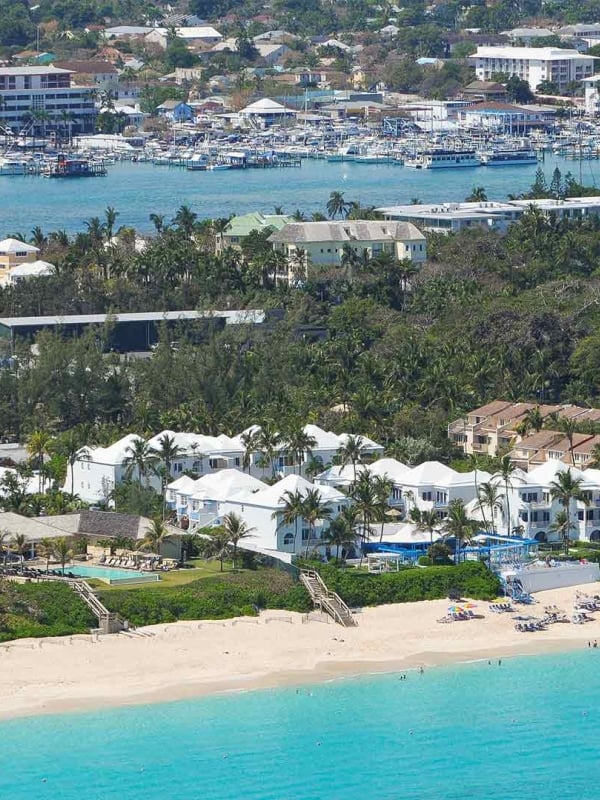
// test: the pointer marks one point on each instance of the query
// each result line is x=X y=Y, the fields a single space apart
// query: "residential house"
x=14 y=253
x=239 y=227
x=176 y=111
x=98 y=73
x=485 y=91
x=194 y=35
x=328 y=243
x=30 y=269
x=263 y=512
x=265 y=112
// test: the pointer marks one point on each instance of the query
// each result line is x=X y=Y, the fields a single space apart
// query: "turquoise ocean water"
x=529 y=728
x=136 y=190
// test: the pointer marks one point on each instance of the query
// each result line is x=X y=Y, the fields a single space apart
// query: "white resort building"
x=533 y=64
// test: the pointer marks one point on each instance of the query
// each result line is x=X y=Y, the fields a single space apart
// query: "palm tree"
x=568 y=426
x=342 y=531
x=250 y=441
x=267 y=441
x=236 y=529
x=299 y=444
x=532 y=420
x=185 y=219
x=364 y=497
x=155 y=535
x=458 y=525
x=383 y=488
x=19 y=544
x=62 y=551
x=505 y=473
x=140 y=458
x=563 y=525
x=110 y=215
x=291 y=511
x=425 y=520
x=4 y=537
x=489 y=497
x=350 y=453
x=37 y=446
x=219 y=546
x=45 y=548
x=565 y=489
x=158 y=220
x=167 y=451
x=69 y=445
x=314 y=509
x=478 y=195
x=336 y=205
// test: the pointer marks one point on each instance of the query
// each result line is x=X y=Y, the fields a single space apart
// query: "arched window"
x=541 y=537
x=595 y=536
x=288 y=539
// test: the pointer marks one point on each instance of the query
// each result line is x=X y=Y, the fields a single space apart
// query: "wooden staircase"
x=108 y=621
x=327 y=601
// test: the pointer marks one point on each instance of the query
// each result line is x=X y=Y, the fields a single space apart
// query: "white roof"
x=547 y=472
x=199 y=32
x=183 y=485
x=395 y=470
x=33 y=268
x=115 y=454
x=365 y=442
x=16 y=246
x=266 y=106
x=196 y=442
x=272 y=496
x=468 y=478
x=326 y=440
x=225 y=485
x=429 y=472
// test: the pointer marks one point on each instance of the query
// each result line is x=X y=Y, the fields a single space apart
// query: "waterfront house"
x=265 y=112
x=241 y=226
x=175 y=110
x=328 y=243
x=14 y=253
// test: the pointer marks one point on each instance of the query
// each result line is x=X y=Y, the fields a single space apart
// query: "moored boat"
x=443 y=159
x=508 y=158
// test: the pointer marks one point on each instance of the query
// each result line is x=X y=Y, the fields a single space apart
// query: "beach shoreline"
x=194 y=659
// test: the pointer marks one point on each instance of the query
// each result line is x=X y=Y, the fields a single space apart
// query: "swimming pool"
x=112 y=575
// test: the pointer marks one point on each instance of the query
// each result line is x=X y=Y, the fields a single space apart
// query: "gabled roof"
x=395 y=470
x=429 y=472
x=183 y=485
x=16 y=246
x=347 y=231
x=115 y=454
x=547 y=472
x=272 y=496
x=468 y=478
x=255 y=221
x=225 y=485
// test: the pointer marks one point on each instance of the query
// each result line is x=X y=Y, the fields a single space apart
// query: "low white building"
x=31 y=269
x=533 y=64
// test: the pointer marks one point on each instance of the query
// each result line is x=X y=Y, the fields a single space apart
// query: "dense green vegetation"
x=228 y=595
x=469 y=579
x=41 y=609
x=491 y=314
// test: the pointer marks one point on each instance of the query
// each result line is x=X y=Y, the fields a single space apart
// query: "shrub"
x=41 y=609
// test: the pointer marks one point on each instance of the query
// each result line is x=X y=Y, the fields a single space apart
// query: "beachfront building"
x=447 y=217
x=324 y=244
x=533 y=64
x=265 y=112
x=27 y=90
x=238 y=228
x=15 y=253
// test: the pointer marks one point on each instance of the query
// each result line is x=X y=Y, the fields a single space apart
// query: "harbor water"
x=137 y=190
x=527 y=727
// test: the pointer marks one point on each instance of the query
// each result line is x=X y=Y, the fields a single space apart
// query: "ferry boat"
x=74 y=168
x=509 y=158
x=13 y=166
x=443 y=159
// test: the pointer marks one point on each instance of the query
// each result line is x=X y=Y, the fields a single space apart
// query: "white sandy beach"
x=187 y=659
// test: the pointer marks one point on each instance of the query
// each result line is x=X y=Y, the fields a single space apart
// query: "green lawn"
x=195 y=570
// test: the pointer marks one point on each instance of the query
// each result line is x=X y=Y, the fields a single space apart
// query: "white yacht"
x=443 y=159
x=508 y=158
x=13 y=166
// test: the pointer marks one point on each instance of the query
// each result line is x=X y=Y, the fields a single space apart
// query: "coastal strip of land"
x=187 y=659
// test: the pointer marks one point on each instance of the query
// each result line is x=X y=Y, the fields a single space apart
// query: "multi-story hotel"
x=45 y=97
x=533 y=64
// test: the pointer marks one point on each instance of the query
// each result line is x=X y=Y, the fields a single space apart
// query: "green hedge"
x=222 y=597
x=470 y=579
x=41 y=609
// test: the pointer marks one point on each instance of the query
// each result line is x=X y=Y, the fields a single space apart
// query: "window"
x=288 y=539
x=305 y=534
x=426 y=496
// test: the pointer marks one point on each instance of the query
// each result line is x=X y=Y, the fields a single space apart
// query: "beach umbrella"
x=468 y=605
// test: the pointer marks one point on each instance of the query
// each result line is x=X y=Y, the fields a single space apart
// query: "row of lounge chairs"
x=530 y=627
x=123 y=562
x=458 y=616
x=501 y=608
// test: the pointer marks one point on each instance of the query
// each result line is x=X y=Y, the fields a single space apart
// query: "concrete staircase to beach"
x=327 y=601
